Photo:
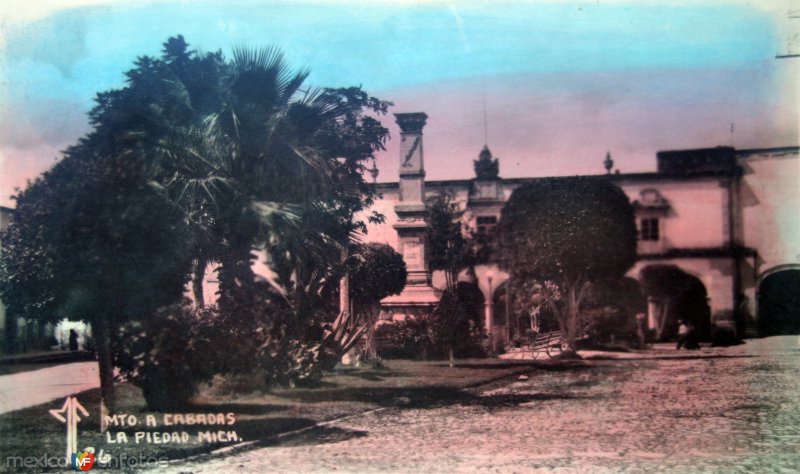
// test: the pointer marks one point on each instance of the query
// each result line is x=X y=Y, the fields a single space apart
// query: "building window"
x=649 y=229
x=486 y=224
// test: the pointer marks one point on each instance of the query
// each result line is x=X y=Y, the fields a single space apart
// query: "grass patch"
x=260 y=417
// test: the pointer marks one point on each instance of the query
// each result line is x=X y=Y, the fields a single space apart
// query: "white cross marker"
x=70 y=408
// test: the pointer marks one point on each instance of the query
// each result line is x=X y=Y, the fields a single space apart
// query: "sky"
x=549 y=86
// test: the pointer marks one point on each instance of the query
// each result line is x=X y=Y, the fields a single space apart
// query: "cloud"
x=58 y=40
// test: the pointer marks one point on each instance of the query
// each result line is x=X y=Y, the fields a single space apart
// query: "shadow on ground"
x=670 y=357
x=285 y=416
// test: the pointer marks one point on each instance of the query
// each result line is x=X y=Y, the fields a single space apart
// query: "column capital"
x=411 y=122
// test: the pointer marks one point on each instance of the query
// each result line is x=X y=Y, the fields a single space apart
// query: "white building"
x=728 y=217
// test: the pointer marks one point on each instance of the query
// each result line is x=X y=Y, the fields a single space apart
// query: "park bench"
x=543 y=343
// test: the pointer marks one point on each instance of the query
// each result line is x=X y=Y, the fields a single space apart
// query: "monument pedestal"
x=418 y=297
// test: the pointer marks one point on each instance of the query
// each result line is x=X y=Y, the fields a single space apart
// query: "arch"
x=778 y=301
x=676 y=294
x=776 y=269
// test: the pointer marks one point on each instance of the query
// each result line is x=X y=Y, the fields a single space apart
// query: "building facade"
x=729 y=218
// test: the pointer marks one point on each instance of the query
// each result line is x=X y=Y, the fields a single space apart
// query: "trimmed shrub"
x=407 y=339
x=261 y=333
x=166 y=355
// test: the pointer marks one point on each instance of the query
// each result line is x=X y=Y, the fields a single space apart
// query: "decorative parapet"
x=651 y=199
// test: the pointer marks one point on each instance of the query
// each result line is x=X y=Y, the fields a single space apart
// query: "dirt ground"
x=733 y=409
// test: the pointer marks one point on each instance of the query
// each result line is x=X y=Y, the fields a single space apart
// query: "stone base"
x=415 y=300
x=421 y=295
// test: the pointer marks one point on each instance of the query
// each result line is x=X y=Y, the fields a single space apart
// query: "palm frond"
x=293 y=85
x=314 y=159
x=267 y=210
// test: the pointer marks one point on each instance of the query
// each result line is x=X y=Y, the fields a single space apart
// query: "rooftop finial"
x=608 y=163
x=374 y=171
x=486 y=167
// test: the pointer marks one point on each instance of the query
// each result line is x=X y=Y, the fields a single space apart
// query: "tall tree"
x=449 y=249
x=567 y=233
x=256 y=158
x=247 y=158
x=376 y=271
x=93 y=240
x=156 y=120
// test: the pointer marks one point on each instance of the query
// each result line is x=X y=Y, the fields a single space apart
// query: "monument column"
x=411 y=225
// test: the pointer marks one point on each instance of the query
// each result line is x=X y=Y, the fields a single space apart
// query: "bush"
x=166 y=355
x=261 y=333
x=609 y=313
x=407 y=339
x=454 y=325
x=430 y=336
x=607 y=324
x=169 y=354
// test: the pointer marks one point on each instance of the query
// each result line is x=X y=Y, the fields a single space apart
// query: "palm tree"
x=256 y=160
x=232 y=142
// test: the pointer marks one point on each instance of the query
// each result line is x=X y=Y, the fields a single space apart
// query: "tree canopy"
x=377 y=271
x=448 y=248
x=566 y=233
x=567 y=229
x=254 y=155
x=204 y=158
x=93 y=240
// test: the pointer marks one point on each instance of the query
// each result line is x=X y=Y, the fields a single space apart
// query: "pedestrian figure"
x=683 y=334
x=691 y=342
x=641 y=328
x=73 y=340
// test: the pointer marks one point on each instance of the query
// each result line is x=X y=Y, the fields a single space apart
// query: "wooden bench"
x=544 y=343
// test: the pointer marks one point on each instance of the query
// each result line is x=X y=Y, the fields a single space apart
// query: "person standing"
x=683 y=334
x=641 y=329
x=73 y=340
x=691 y=342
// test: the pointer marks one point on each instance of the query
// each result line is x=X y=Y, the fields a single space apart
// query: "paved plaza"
x=734 y=409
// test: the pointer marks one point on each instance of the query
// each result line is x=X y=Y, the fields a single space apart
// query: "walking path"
x=26 y=389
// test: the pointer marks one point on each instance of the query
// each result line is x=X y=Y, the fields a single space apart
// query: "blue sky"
x=564 y=82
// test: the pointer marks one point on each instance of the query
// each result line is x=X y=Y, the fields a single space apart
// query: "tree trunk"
x=662 y=323
x=197 y=281
x=12 y=334
x=452 y=356
x=371 y=318
x=344 y=289
x=42 y=338
x=236 y=275
x=569 y=351
x=105 y=362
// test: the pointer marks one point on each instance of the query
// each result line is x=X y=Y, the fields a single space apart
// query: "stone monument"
x=418 y=297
